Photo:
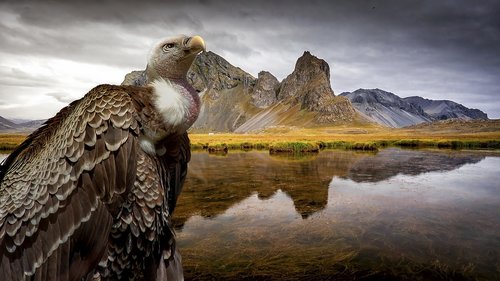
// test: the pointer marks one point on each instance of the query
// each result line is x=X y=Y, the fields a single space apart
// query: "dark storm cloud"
x=437 y=49
x=81 y=31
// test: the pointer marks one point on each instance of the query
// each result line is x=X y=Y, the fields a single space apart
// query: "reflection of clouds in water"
x=468 y=183
x=252 y=211
x=394 y=161
x=214 y=184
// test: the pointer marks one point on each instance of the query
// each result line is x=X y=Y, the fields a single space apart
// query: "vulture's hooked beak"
x=194 y=45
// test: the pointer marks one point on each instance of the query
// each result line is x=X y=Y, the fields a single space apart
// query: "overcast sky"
x=52 y=52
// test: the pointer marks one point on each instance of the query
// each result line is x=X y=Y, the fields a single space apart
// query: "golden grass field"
x=449 y=134
x=369 y=138
x=10 y=141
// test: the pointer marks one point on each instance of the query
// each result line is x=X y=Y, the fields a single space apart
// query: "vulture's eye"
x=168 y=46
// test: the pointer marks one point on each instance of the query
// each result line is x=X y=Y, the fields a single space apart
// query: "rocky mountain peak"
x=309 y=82
x=213 y=72
x=311 y=64
x=208 y=72
x=309 y=86
x=265 y=90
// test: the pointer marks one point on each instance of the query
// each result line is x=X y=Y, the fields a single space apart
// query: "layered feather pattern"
x=80 y=191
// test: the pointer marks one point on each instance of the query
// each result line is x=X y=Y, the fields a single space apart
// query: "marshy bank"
x=454 y=134
x=291 y=139
x=305 y=146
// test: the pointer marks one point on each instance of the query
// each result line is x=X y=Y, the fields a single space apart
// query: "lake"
x=341 y=215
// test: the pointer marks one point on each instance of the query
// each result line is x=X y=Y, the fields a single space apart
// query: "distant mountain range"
x=446 y=109
x=19 y=125
x=393 y=111
x=386 y=108
x=235 y=101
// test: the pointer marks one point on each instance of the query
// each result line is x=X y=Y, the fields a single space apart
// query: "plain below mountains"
x=235 y=101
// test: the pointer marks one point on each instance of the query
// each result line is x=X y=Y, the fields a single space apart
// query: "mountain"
x=309 y=86
x=225 y=92
x=391 y=110
x=235 y=101
x=32 y=124
x=19 y=125
x=387 y=108
x=446 y=109
x=7 y=125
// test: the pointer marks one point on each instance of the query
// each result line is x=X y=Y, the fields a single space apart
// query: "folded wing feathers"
x=40 y=217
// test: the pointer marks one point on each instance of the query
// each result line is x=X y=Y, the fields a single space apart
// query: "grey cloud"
x=73 y=13
x=17 y=77
x=87 y=32
x=61 y=97
x=433 y=48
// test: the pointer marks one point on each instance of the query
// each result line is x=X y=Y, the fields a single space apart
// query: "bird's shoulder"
x=101 y=105
x=48 y=165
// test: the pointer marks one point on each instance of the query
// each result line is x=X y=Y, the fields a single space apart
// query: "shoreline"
x=314 y=140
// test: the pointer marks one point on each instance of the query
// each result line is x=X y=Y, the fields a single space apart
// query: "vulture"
x=89 y=195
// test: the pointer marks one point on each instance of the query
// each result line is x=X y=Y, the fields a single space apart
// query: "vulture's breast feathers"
x=174 y=108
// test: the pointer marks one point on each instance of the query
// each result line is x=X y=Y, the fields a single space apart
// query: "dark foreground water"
x=340 y=215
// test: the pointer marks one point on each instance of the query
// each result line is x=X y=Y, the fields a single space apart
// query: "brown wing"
x=64 y=180
x=175 y=159
x=157 y=187
x=141 y=232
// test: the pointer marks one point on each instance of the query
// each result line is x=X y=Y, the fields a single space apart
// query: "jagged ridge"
x=391 y=110
x=235 y=101
x=446 y=109
x=386 y=108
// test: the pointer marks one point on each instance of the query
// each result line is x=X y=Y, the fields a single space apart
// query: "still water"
x=341 y=215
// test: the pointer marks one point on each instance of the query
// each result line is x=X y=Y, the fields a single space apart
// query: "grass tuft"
x=293 y=147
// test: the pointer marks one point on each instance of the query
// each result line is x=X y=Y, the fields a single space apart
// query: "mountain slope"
x=309 y=86
x=386 y=108
x=23 y=126
x=7 y=125
x=235 y=101
x=446 y=109
x=224 y=92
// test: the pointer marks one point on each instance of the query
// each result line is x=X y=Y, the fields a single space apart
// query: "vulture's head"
x=172 y=57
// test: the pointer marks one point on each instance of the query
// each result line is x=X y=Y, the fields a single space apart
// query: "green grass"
x=368 y=145
x=288 y=147
x=313 y=145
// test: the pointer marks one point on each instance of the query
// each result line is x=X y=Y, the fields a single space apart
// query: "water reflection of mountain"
x=216 y=183
x=390 y=162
